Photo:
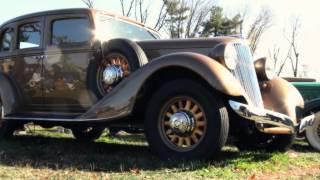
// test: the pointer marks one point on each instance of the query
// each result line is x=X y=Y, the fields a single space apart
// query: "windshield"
x=110 y=28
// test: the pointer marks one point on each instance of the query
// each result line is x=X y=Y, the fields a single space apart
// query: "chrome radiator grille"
x=245 y=73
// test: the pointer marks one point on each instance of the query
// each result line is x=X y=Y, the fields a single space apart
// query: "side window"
x=68 y=31
x=6 y=40
x=29 y=35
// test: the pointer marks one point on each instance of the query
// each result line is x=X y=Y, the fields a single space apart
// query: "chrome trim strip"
x=245 y=73
x=64 y=120
x=263 y=116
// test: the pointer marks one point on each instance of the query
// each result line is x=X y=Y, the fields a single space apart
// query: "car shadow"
x=302 y=146
x=67 y=153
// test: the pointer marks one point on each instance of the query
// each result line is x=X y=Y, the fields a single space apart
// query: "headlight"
x=230 y=56
x=264 y=71
x=270 y=73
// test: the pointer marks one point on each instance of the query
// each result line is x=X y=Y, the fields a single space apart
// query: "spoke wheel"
x=112 y=59
x=186 y=123
x=192 y=135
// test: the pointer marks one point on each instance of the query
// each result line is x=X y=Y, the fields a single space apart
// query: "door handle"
x=41 y=57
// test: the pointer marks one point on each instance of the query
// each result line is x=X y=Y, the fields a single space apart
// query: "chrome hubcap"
x=112 y=70
x=182 y=123
x=112 y=74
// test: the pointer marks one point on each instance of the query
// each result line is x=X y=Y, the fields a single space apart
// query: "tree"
x=177 y=15
x=258 y=27
x=275 y=56
x=184 y=18
x=294 y=54
x=218 y=24
x=140 y=11
x=88 y=3
x=126 y=12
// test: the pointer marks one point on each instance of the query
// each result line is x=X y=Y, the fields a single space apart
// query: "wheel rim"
x=183 y=123
x=112 y=60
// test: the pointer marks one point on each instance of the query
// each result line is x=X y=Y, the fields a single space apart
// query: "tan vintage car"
x=88 y=70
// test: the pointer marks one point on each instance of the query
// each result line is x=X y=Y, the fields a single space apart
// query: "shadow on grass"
x=66 y=153
x=302 y=146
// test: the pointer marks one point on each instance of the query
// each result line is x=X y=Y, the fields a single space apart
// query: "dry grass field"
x=45 y=154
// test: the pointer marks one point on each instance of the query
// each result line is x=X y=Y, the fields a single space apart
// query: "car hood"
x=156 y=48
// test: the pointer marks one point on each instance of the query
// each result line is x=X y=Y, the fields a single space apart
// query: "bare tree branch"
x=283 y=63
x=88 y=3
x=294 y=55
x=123 y=9
x=258 y=27
x=161 y=17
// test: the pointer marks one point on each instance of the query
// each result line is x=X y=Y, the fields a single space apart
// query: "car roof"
x=72 y=11
x=49 y=12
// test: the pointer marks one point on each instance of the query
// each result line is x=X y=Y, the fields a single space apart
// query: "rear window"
x=70 y=31
x=6 y=40
x=29 y=35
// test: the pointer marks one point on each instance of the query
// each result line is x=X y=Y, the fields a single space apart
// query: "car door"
x=68 y=54
x=24 y=61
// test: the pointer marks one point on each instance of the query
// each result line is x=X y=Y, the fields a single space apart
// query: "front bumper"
x=281 y=124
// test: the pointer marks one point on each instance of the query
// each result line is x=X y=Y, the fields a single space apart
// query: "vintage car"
x=87 y=70
x=310 y=90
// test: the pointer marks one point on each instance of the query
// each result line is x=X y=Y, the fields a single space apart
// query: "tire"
x=131 y=57
x=260 y=141
x=280 y=142
x=7 y=128
x=213 y=124
x=87 y=134
x=313 y=135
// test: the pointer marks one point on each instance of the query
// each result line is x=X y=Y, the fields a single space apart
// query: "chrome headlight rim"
x=230 y=56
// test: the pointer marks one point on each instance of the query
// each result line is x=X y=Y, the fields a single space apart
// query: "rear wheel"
x=121 y=57
x=87 y=134
x=186 y=123
x=6 y=128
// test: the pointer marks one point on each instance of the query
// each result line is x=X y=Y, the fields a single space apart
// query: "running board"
x=49 y=116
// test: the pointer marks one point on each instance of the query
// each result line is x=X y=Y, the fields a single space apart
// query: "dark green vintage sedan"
x=310 y=90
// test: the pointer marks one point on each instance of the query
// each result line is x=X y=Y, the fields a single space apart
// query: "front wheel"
x=185 y=120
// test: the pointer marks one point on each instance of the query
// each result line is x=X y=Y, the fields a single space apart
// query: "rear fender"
x=120 y=101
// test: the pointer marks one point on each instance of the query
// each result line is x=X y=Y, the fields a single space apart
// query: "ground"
x=50 y=155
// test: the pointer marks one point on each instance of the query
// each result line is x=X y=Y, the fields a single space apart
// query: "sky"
x=283 y=13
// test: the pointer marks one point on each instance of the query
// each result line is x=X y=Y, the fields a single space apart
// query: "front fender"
x=280 y=96
x=120 y=101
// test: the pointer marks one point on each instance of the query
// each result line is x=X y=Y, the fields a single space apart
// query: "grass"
x=51 y=155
